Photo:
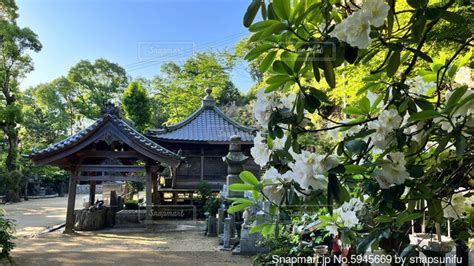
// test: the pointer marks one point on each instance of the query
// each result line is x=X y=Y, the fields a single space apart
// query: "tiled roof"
x=124 y=127
x=207 y=124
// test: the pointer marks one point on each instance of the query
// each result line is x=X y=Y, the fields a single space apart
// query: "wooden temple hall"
x=170 y=161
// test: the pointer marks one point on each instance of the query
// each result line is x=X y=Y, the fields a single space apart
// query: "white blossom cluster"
x=355 y=29
x=384 y=126
x=309 y=169
x=419 y=86
x=266 y=103
x=346 y=216
x=393 y=171
x=459 y=206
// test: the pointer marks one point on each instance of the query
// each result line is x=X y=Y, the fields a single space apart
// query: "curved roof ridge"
x=132 y=133
x=232 y=121
x=180 y=124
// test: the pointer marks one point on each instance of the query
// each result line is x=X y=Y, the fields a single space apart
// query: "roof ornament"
x=208 y=99
x=111 y=109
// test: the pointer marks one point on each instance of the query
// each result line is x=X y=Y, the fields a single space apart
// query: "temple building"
x=203 y=139
x=182 y=155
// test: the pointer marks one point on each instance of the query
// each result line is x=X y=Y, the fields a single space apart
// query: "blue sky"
x=137 y=34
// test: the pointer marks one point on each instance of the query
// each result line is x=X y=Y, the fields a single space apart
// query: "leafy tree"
x=95 y=84
x=401 y=153
x=181 y=88
x=15 y=63
x=137 y=106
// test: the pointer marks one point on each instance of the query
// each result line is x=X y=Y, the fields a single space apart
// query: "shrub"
x=7 y=229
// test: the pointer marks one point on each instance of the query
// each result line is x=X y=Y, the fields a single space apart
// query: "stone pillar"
x=235 y=160
x=71 y=201
x=227 y=236
x=92 y=193
x=220 y=220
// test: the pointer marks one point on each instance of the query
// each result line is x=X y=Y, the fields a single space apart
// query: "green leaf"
x=329 y=73
x=282 y=8
x=367 y=242
x=278 y=79
x=261 y=25
x=406 y=217
x=433 y=13
x=281 y=67
x=364 y=105
x=355 y=169
x=451 y=17
x=407 y=251
x=423 y=115
x=316 y=73
x=460 y=144
x=414 y=3
x=320 y=95
x=248 y=178
x=350 y=54
x=456 y=95
x=421 y=54
x=353 y=111
x=267 y=61
x=238 y=207
x=240 y=187
x=418 y=27
x=274 y=29
x=435 y=210
x=356 y=145
x=251 y=12
x=393 y=63
x=257 y=51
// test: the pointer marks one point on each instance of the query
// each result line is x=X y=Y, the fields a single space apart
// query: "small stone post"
x=235 y=160
x=227 y=236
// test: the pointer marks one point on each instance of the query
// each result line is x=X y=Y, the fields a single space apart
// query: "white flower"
x=419 y=86
x=390 y=119
x=459 y=206
x=464 y=77
x=347 y=218
x=332 y=230
x=260 y=151
x=307 y=169
x=279 y=143
x=393 y=171
x=271 y=175
x=274 y=192
x=353 y=205
x=444 y=124
x=357 y=30
x=289 y=176
x=378 y=11
x=263 y=107
x=288 y=102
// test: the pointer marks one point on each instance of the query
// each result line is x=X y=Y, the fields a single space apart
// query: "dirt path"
x=165 y=248
x=172 y=245
x=37 y=214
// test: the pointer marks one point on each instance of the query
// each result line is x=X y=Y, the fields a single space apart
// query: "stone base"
x=90 y=220
x=129 y=217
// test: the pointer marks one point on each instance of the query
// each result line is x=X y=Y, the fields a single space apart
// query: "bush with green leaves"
x=7 y=231
x=402 y=153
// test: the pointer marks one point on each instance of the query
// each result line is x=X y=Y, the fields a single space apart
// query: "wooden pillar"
x=155 y=187
x=71 y=201
x=92 y=192
x=149 y=199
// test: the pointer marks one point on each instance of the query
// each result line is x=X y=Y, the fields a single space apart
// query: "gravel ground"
x=176 y=243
